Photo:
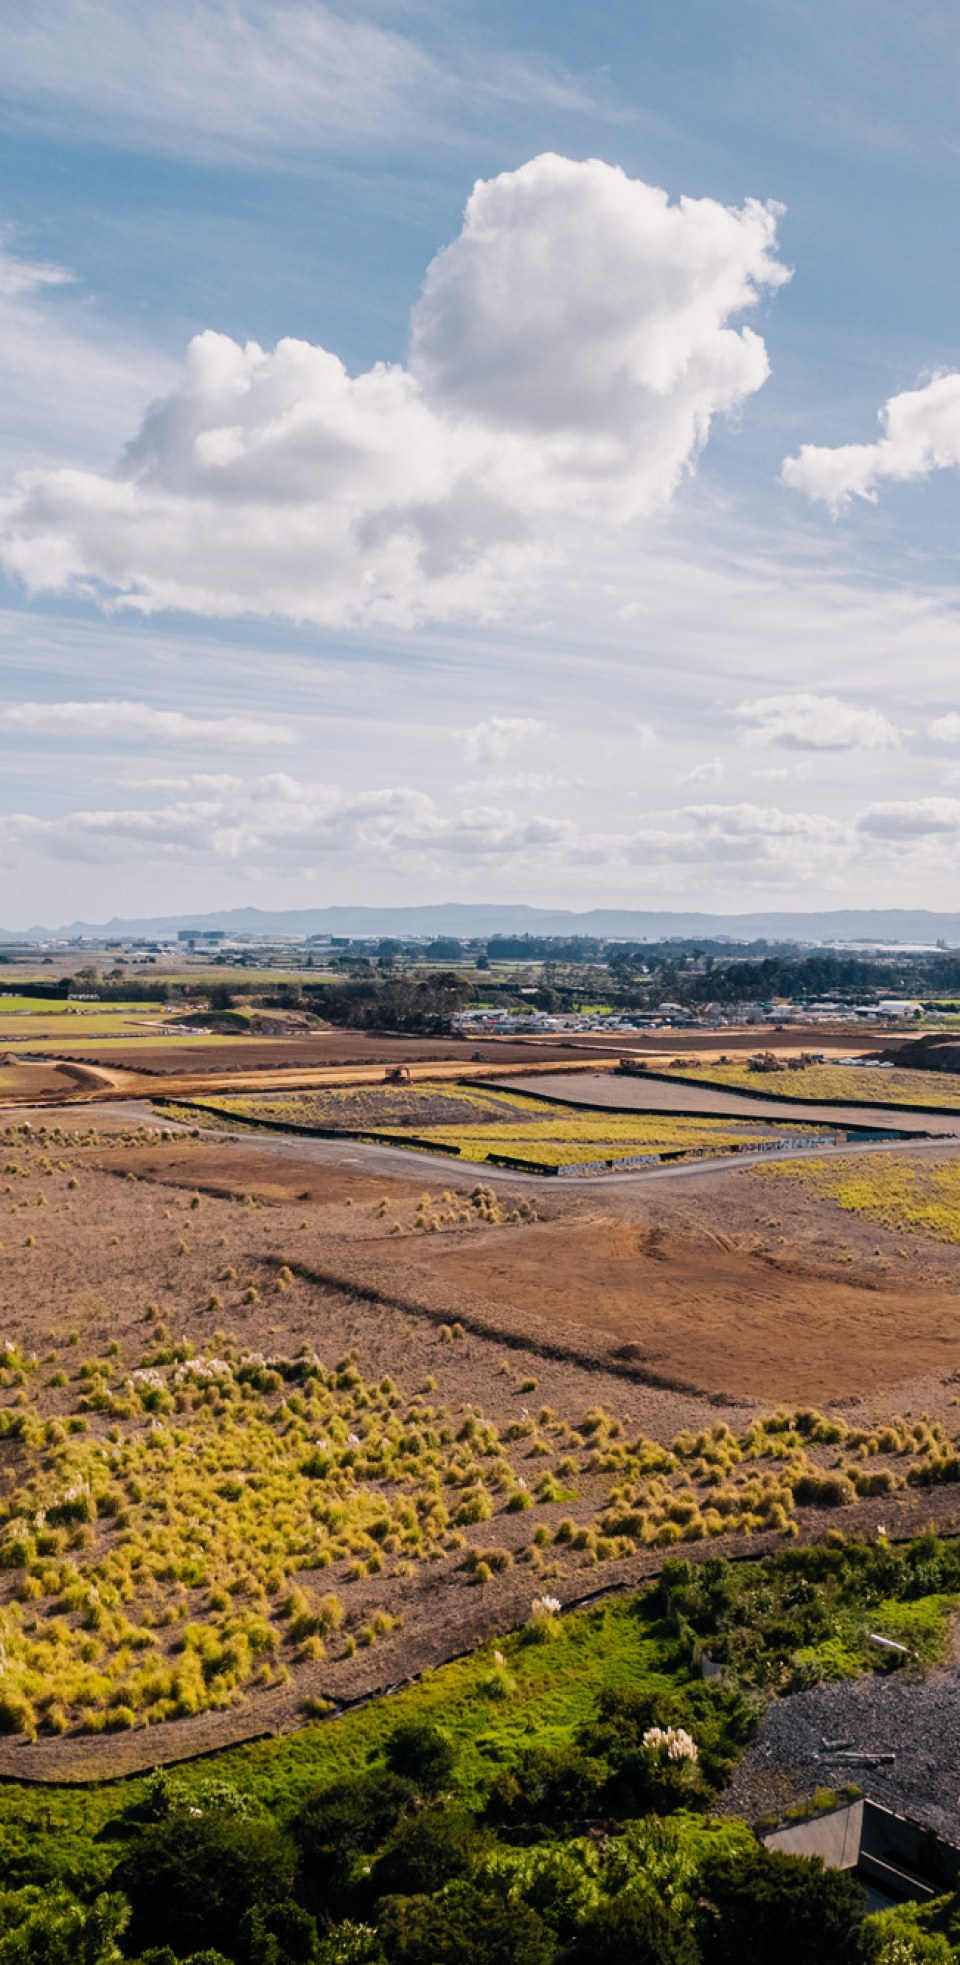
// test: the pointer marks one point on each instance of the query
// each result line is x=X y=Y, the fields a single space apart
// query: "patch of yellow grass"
x=897 y=1193
x=516 y=1123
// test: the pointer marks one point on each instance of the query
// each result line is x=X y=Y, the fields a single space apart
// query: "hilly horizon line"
x=471 y=920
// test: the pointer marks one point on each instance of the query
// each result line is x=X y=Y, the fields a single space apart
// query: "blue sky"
x=583 y=573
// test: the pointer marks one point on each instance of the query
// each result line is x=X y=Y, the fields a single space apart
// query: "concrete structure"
x=896 y=1860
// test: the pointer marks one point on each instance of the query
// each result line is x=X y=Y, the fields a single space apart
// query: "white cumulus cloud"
x=815 y=723
x=945 y=729
x=91 y=721
x=921 y=433
x=279 y=826
x=498 y=735
x=911 y=818
x=568 y=354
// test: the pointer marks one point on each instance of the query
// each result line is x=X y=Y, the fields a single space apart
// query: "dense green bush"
x=717 y=1718
x=336 y=1827
x=52 y=1928
x=548 y=1785
x=285 y=1934
x=465 y=1925
x=633 y=1929
x=422 y=1752
x=425 y=1851
x=190 y=1878
x=755 y=1616
x=782 y=1910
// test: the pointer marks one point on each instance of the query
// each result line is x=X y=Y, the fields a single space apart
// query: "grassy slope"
x=551 y=1690
x=556 y=1684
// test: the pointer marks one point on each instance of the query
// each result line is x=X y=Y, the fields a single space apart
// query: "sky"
x=483 y=452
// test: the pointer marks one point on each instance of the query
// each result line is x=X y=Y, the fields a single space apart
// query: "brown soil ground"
x=30 y=1081
x=207 y=1167
x=626 y=1094
x=935 y=1051
x=172 y=1057
x=355 y=1047
x=740 y=1290
x=727 y=1283
x=716 y=1318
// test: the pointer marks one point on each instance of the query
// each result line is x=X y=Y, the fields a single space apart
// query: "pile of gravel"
x=918 y=1720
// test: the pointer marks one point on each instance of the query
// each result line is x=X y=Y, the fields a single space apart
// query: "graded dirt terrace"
x=714 y=1318
x=739 y=1286
x=642 y=1094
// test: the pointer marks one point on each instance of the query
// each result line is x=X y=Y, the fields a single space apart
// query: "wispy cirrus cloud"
x=92 y=721
x=225 y=76
x=282 y=81
x=66 y=379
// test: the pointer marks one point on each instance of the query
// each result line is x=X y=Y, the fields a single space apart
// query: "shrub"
x=476 y=1506
x=190 y=1879
x=549 y=1785
x=465 y=1925
x=425 y=1851
x=823 y=1491
x=341 y=1823
x=285 y=1934
x=781 y=1910
x=16 y=1713
x=630 y=1929
x=422 y=1752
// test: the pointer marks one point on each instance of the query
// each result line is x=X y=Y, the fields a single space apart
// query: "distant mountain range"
x=469 y=921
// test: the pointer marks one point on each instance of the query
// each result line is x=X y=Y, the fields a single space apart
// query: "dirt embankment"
x=935 y=1051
